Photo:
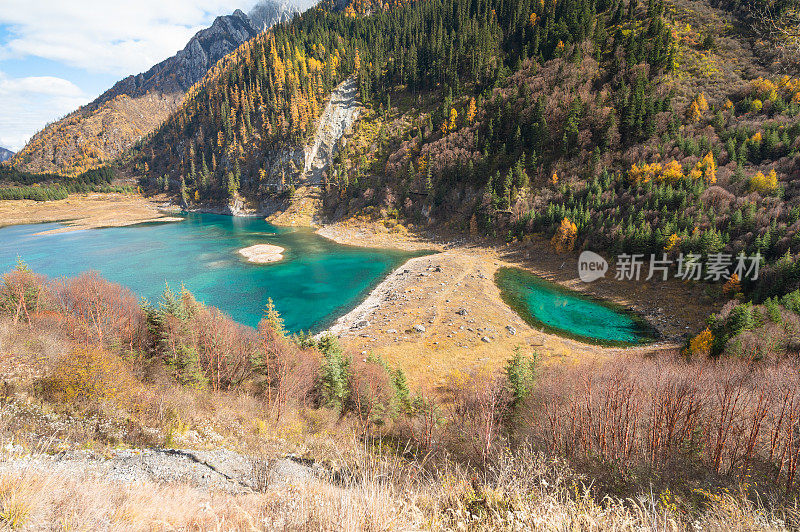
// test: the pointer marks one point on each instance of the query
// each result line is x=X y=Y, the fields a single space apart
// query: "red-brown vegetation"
x=728 y=416
x=96 y=311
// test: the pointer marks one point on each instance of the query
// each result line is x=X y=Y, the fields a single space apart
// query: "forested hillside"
x=94 y=135
x=136 y=105
x=269 y=91
x=611 y=125
x=649 y=131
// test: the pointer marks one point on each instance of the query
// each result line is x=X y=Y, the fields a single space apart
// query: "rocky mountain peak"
x=267 y=13
x=5 y=154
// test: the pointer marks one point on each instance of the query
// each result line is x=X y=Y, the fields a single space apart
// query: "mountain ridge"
x=134 y=106
x=182 y=70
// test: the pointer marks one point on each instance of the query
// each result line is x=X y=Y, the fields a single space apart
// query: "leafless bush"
x=728 y=415
x=291 y=371
x=22 y=293
x=99 y=312
x=478 y=405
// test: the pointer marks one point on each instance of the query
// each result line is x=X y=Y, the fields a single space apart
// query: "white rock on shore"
x=262 y=253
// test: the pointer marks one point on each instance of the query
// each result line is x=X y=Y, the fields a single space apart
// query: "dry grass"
x=451 y=341
x=470 y=462
x=85 y=211
x=527 y=493
x=466 y=281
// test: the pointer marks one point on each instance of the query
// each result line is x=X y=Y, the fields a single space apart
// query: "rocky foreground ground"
x=218 y=469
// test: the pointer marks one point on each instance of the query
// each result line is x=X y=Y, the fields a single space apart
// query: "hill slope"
x=593 y=123
x=136 y=105
x=5 y=154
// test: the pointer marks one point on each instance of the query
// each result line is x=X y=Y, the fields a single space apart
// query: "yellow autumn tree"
x=673 y=172
x=670 y=172
x=764 y=89
x=471 y=111
x=764 y=183
x=564 y=239
x=644 y=173
x=451 y=122
x=701 y=102
x=698 y=106
x=672 y=242
x=732 y=287
x=422 y=165
x=705 y=169
x=701 y=344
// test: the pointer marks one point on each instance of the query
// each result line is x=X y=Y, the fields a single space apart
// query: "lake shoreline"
x=399 y=302
x=444 y=312
x=89 y=211
x=661 y=305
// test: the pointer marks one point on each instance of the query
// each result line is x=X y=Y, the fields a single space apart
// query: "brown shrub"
x=290 y=371
x=22 y=293
x=727 y=415
x=225 y=347
x=100 y=312
x=478 y=403
x=372 y=394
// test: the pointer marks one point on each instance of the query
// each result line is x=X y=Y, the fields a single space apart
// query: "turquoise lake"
x=317 y=281
x=548 y=306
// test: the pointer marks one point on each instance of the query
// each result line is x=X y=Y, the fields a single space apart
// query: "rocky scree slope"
x=311 y=162
x=217 y=469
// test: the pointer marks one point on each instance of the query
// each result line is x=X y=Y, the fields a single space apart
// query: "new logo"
x=591 y=266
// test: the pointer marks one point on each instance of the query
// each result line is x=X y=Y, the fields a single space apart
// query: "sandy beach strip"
x=89 y=211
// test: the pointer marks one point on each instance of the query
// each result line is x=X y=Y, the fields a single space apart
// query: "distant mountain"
x=137 y=105
x=187 y=67
x=264 y=15
x=5 y=154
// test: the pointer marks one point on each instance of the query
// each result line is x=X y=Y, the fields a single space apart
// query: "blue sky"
x=56 y=55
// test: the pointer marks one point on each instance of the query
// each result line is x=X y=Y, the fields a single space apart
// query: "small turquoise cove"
x=564 y=312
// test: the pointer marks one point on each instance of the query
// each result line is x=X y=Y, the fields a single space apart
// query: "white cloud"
x=120 y=38
x=29 y=103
